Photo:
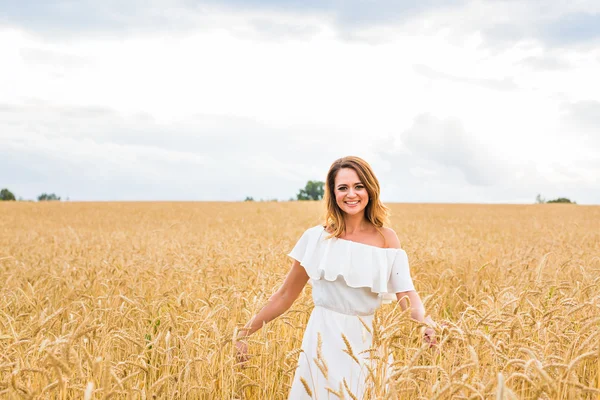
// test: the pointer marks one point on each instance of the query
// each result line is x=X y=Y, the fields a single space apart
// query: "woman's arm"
x=411 y=298
x=279 y=302
x=417 y=312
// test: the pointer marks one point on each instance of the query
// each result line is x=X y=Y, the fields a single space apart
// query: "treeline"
x=540 y=200
x=313 y=190
x=7 y=195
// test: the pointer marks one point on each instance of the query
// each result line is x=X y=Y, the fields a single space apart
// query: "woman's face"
x=350 y=193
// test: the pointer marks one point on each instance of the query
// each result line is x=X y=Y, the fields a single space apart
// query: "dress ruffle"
x=384 y=270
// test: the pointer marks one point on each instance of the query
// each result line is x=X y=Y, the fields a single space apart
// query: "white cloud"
x=446 y=143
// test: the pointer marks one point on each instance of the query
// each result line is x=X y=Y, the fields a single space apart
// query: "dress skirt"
x=328 y=364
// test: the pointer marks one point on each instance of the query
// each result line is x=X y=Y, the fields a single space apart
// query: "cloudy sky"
x=449 y=101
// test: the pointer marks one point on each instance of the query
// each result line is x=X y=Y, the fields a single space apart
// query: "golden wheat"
x=306 y=387
x=143 y=300
x=348 y=350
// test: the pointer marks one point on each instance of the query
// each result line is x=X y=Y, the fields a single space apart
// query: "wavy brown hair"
x=375 y=212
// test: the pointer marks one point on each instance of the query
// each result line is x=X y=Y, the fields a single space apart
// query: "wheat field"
x=142 y=300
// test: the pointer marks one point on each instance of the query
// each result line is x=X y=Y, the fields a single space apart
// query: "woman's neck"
x=355 y=223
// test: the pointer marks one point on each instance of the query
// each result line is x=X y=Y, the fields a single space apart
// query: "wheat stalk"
x=348 y=349
x=306 y=387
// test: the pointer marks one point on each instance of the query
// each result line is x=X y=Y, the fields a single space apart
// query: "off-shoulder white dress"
x=349 y=282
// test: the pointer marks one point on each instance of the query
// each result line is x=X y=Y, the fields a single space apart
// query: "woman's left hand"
x=241 y=349
x=429 y=337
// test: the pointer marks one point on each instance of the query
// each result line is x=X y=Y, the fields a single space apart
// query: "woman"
x=353 y=261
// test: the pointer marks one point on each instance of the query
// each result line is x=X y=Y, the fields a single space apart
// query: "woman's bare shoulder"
x=391 y=238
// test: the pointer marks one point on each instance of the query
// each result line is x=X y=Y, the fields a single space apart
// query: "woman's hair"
x=375 y=211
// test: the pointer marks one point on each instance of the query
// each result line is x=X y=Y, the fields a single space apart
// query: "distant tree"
x=249 y=198
x=539 y=199
x=561 y=200
x=314 y=190
x=6 y=195
x=48 y=197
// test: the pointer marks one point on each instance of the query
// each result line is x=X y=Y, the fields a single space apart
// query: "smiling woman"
x=353 y=262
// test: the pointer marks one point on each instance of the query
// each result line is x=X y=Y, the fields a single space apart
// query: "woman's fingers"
x=241 y=352
x=429 y=337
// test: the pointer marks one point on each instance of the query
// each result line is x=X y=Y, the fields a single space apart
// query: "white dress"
x=349 y=282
